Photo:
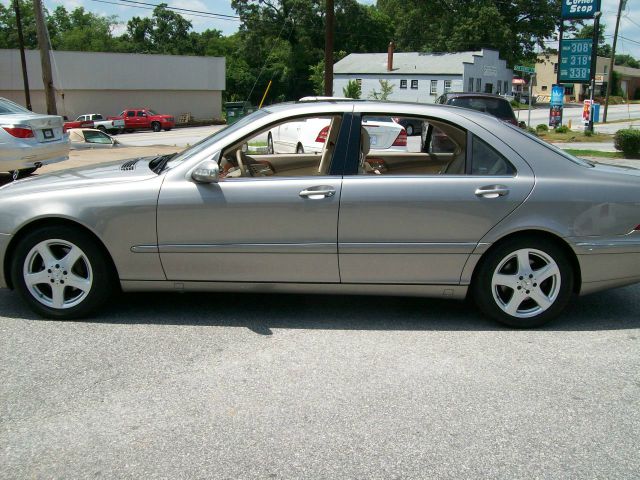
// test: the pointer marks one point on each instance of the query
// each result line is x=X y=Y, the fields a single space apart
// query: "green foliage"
x=628 y=141
x=386 y=89
x=514 y=27
x=627 y=61
x=532 y=131
x=588 y=133
x=352 y=90
x=542 y=127
x=562 y=129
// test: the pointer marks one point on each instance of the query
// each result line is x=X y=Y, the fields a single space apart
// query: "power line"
x=235 y=17
x=151 y=6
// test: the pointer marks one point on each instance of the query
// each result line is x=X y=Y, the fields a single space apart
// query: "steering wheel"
x=241 y=166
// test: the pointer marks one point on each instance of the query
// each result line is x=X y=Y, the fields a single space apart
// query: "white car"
x=310 y=135
x=90 y=138
x=29 y=140
x=99 y=122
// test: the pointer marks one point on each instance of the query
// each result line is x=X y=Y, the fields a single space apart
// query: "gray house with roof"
x=422 y=77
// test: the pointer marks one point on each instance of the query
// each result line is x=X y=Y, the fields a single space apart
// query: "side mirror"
x=207 y=172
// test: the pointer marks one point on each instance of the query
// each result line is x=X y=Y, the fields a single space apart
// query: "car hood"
x=113 y=172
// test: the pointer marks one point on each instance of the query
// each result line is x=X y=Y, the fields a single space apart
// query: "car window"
x=487 y=161
x=385 y=148
x=91 y=136
x=151 y=112
x=493 y=106
x=7 y=107
x=141 y=113
x=300 y=147
x=131 y=113
x=97 y=117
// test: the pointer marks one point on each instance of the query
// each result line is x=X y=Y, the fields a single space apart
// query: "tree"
x=513 y=27
x=352 y=90
x=604 y=50
x=627 y=61
x=386 y=89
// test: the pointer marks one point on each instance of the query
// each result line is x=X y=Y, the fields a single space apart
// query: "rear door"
x=415 y=217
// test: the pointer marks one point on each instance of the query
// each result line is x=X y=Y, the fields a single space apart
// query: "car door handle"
x=492 y=191
x=316 y=193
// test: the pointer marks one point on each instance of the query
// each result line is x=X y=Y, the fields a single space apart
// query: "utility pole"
x=594 y=58
x=328 y=49
x=621 y=5
x=25 y=77
x=44 y=43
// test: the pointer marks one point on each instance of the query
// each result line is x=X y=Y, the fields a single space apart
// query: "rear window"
x=7 y=107
x=494 y=106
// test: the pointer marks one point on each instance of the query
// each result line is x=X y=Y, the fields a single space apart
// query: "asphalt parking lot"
x=283 y=386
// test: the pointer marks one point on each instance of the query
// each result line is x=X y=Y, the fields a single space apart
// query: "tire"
x=523 y=295
x=155 y=126
x=299 y=148
x=101 y=128
x=55 y=286
x=270 y=149
x=409 y=129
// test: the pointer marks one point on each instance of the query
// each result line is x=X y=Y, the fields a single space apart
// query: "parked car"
x=29 y=140
x=514 y=222
x=309 y=135
x=144 y=119
x=69 y=124
x=90 y=138
x=483 y=102
x=99 y=122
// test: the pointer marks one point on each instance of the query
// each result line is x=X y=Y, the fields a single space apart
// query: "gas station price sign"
x=575 y=60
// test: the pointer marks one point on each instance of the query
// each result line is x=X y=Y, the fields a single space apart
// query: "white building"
x=107 y=83
x=422 y=77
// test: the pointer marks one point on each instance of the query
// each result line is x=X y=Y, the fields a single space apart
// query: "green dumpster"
x=236 y=110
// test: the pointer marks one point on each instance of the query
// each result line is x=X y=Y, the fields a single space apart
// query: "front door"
x=266 y=220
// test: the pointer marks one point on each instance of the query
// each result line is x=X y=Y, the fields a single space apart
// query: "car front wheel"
x=61 y=272
x=156 y=127
x=523 y=283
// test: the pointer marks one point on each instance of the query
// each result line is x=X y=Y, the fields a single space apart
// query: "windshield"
x=151 y=112
x=579 y=161
x=206 y=142
x=7 y=107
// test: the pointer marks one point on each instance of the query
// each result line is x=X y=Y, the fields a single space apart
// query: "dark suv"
x=483 y=102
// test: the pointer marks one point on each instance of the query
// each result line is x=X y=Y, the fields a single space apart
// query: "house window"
x=403 y=84
x=606 y=67
x=488 y=88
x=555 y=68
x=544 y=88
x=568 y=89
x=414 y=84
x=470 y=87
x=506 y=87
x=447 y=86
x=498 y=90
x=434 y=87
x=478 y=84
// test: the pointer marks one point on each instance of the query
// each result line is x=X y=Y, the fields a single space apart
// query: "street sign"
x=522 y=68
x=575 y=60
x=579 y=8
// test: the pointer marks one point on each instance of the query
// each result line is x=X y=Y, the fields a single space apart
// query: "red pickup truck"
x=145 y=118
x=77 y=124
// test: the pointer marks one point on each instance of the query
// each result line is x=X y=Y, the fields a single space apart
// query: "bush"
x=532 y=131
x=588 y=133
x=628 y=141
x=542 y=127
x=562 y=129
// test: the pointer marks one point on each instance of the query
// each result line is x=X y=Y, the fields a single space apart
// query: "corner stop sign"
x=579 y=8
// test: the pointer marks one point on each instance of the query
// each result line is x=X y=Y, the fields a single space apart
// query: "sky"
x=628 y=39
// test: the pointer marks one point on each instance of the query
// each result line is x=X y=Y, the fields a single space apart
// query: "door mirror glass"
x=207 y=172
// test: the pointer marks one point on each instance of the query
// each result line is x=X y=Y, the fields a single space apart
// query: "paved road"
x=287 y=387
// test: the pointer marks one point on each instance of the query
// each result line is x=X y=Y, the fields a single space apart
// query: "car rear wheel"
x=523 y=283
x=61 y=273
x=156 y=127
x=101 y=128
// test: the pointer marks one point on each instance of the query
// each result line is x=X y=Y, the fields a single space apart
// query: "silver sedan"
x=477 y=208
